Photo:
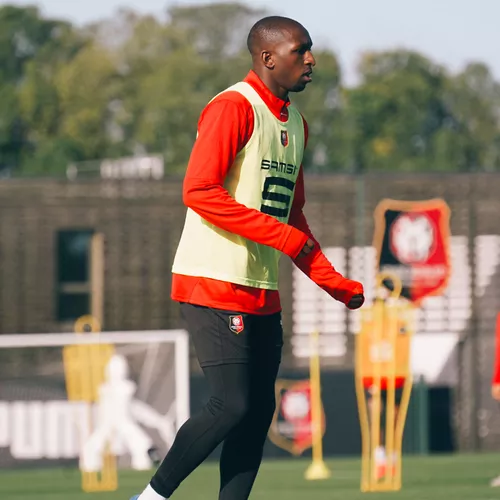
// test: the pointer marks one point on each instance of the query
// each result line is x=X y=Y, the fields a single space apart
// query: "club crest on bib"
x=236 y=323
x=284 y=138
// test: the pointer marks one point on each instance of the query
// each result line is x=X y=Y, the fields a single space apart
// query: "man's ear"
x=267 y=59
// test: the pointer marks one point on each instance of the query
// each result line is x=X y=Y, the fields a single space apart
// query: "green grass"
x=456 y=477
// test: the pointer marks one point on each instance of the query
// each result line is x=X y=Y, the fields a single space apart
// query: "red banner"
x=412 y=241
x=291 y=428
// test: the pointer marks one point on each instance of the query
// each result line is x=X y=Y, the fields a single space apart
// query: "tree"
x=474 y=98
x=168 y=104
x=86 y=88
x=12 y=130
x=136 y=84
x=174 y=69
x=398 y=108
x=41 y=107
x=24 y=36
x=218 y=31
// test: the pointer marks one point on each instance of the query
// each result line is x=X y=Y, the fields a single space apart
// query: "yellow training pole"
x=317 y=469
x=360 y=345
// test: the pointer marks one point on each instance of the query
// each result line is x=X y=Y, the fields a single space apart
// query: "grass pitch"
x=450 y=477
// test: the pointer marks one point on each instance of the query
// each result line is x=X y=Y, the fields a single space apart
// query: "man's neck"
x=275 y=89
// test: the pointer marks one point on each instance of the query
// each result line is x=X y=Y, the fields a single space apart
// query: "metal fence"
x=142 y=220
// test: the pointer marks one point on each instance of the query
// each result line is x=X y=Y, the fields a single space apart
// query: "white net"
x=141 y=405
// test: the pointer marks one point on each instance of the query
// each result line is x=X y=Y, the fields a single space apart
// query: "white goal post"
x=33 y=398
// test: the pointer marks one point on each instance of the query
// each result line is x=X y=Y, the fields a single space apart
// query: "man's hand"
x=495 y=392
x=308 y=248
x=356 y=301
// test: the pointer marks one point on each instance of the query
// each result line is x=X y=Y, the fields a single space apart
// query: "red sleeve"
x=315 y=265
x=496 y=369
x=224 y=128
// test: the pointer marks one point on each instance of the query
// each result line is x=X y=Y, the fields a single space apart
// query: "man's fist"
x=350 y=293
x=356 y=301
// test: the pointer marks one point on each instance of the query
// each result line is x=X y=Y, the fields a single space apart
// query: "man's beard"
x=299 y=87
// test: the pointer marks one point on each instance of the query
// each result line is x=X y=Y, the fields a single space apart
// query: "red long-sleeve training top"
x=224 y=128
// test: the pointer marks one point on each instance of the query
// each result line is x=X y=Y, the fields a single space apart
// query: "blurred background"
x=99 y=102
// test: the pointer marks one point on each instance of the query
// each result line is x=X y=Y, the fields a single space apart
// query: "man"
x=244 y=192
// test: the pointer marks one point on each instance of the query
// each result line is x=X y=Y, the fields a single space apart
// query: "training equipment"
x=317 y=469
x=103 y=400
x=85 y=367
x=383 y=364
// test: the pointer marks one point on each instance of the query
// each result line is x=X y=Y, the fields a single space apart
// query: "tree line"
x=135 y=84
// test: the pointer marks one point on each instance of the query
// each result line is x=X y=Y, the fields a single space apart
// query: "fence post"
x=422 y=398
x=360 y=211
x=473 y=328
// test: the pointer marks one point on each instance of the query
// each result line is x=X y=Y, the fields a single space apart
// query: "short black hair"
x=268 y=29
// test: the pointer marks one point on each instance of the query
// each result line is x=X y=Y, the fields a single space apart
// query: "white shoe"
x=495 y=482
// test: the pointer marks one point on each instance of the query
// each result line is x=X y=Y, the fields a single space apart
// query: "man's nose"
x=310 y=59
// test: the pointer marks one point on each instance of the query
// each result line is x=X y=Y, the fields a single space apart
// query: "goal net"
x=47 y=414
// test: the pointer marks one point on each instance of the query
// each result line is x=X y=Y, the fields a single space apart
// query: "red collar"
x=277 y=106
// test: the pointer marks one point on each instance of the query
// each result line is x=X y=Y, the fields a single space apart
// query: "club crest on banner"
x=412 y=240
x=291 y=427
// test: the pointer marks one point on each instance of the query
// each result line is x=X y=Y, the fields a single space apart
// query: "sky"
x=450 y=32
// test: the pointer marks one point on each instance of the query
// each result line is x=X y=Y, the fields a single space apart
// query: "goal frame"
x=178 y=337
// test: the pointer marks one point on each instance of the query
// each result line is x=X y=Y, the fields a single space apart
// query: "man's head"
x=281 y=54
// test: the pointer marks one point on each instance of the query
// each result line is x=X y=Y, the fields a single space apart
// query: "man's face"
x=293 y=60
